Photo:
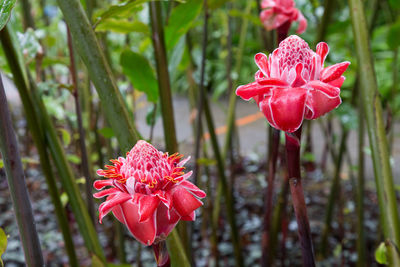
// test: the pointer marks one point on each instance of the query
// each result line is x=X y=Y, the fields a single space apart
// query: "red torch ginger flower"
x=292 y=84
x=148 y=192
x=281 y=13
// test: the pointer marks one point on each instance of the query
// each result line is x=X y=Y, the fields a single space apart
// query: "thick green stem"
x=100 y=73
x=361 y=254
x=376 y=130
x=39 y=139
x=17 y=186
x=334 y=193
x=224 y=187
x=167 y=112
x=296 y=189
x=82 y=143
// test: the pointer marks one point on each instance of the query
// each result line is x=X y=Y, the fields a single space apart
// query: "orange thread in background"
x=239 y=122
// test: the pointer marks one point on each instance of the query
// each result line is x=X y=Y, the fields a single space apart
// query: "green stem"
x=361 y=254
x=17 y=186
x=376 y=130
x=224 y=187
x=39 y=139
x=100 y=73
x=82 y=143
x=27 y=16
x=167 y=112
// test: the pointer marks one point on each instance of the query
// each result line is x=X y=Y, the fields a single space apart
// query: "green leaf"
x=5 y=11
x=74 y=158
x=240 y=14
x=107 y=132
x=380 y=254
x=214 y=4
x=394 y=4
x=3 y=244
x=206 y=162
x=96 y=262
x=66 y=137
x=124 y=9
x=393 y=39
x=122 y=26
x=140 y=73
x=181 y=20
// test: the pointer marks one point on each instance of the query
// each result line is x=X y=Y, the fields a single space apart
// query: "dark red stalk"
x=296 y=189
x=273 y=158
x=161 y=254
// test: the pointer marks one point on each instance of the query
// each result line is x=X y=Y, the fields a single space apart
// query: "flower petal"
x=322 y=51
x=106 y=192
x=262 y=86
x=334 y=72
x=190 y=217
x=302 y=23
x=166 y=220
x=184 y=202
x=284 y=110
x=147 y=206
x=325 y=88
x=100 y=184
x=338 y=82
x=111 y=202
x=262 y=62
x=318 y=103
x=252 y=89
x=145 y=232
x=193 y=189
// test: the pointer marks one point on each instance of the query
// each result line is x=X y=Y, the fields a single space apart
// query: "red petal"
x=190 y=217
x=147 y=206
x=285 y=108
x=250 y=90
x=322 y=51
x=334 y=72
x=319 y=103
x=327 y=89
x=298 y=81
x=106 y=192
x=184 y=202
x=302 y=24
x=262 y=63
x=100 y=184
x=166 y=220
x=193 y=189
x=145 y=232
x=338 y=82
x=111 y=202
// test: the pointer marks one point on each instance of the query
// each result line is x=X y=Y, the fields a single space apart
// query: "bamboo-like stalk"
x=201 y=93
x=274 y=136
x=17 y=186
x=100 y=73
x=167 y=112
x=360 y=243
x=296 y=189
x=28 y=21
x=376 y=131
x=224 y=187
x=39 y=139
x=81 y=130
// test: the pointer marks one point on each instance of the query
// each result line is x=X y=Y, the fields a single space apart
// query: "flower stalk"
x=17 y=186
x=161 y=254
x=376 y=131
x=296 y=189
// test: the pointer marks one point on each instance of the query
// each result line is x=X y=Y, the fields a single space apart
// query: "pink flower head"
x=148 y=192
x=292 y=84
x=278 y=12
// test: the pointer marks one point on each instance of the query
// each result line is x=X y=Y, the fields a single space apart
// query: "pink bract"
x=292 y=84
x=277 y=12
x=148 y=192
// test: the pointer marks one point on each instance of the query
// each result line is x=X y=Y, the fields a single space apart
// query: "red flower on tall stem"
x=281 y=13
x=292 y=84
x=148 y=192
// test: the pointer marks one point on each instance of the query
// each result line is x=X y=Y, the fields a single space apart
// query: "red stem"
x=296 y=189
x=161 y=254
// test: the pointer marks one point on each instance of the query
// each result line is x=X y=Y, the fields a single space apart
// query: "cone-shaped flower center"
x=150 y=169
x=294 y=50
